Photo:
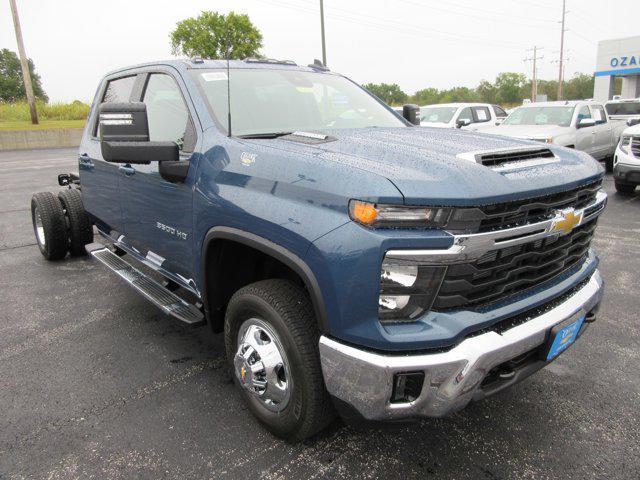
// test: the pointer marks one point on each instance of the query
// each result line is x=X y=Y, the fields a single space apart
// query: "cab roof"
x=249 y=63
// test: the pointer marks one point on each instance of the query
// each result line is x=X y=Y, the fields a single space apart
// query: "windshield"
x=623 y=108
x=267 y=101
x=437 y=114
x=560 y=116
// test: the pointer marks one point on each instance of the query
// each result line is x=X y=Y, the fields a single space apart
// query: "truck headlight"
x=625 y=143
x=407 y=291
x=397 y=216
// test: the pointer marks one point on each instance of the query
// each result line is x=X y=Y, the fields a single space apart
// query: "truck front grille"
x=635 y=146
x=522 y=212
x=501 y=273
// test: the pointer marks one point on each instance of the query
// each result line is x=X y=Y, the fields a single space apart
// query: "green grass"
x=19 y=111
x=43 y=125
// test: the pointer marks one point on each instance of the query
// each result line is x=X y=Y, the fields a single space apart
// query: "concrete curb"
x=30 y=139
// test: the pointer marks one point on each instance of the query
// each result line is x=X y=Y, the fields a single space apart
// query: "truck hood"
x=428 y=165
x=528 y=131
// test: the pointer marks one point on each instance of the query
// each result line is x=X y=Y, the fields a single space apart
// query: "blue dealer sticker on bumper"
x=564 y=338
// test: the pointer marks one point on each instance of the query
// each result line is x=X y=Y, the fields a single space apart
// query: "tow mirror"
x=586 y=122
x=411 y=113
x=124 y=136
x=463 y=122
x=633 y=121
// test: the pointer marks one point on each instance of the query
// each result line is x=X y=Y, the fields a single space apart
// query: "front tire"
x=625 y=188
x=49 y=225
x=271 y=339
x=608 y=164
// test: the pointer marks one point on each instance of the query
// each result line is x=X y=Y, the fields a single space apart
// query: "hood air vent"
x=506 y=160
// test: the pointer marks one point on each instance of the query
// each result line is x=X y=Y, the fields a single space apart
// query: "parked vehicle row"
x=584 y=125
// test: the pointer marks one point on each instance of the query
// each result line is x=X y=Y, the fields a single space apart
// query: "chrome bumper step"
x=160 y=296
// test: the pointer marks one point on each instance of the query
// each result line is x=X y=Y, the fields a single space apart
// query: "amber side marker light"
x=363 y=212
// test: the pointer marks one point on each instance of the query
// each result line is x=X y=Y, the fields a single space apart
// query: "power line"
x=388 y=25
x=491 y=13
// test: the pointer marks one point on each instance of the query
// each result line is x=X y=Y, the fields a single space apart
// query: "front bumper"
x=364 y=379
x=626 y=168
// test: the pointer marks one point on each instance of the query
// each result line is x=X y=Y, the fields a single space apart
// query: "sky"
x=414 y=43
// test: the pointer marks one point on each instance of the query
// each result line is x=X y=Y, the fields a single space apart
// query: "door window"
x=481 y=114
x=466 y=114
x=583 y=113
x=500 y=113
x=118 y=91
x=167 y=112
x=598 y=114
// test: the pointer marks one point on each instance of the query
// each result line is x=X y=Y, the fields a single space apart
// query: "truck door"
x=585 y=136
x=603 y=143
x=158 y=213
x=100 y=179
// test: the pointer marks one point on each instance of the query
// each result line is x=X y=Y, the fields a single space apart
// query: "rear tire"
x=49 y=225
x=80 y=228
x=281 y=315
x=608 y=164
x=625 y=188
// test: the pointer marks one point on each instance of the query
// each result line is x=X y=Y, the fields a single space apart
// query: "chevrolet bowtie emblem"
x=566 y=221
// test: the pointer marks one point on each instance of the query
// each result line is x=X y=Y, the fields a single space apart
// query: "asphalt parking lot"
x=97 y=383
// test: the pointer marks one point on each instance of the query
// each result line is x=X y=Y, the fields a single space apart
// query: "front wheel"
x=608 y=164
x=271 y=340
x=625 y=188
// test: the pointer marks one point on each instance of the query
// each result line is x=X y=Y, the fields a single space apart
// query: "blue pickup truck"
x=356 y=264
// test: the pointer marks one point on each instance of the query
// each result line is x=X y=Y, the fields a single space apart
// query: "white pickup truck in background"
x=580 y=124
x=469 y=116
x=623 y=109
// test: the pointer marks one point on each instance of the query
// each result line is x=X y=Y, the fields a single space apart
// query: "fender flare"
x=276 y=251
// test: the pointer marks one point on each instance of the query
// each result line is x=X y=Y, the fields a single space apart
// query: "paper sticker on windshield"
x=213 y=76
x=541 y=119
x=482 y=114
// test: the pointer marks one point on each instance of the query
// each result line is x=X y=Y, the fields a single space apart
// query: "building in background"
x=618 y=58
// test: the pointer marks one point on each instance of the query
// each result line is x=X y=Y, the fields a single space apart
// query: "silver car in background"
x=580 y=124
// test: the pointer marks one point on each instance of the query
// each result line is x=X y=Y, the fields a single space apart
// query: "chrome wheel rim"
x=261 y=365
x=39 y=228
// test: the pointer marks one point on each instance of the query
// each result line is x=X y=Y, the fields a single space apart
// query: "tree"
x=509 y=86
x=486 y=91
x=11 y=83
x=579 y=87
x=459 y=94
x=426 y=96
x=390 y=93
x=210 y=34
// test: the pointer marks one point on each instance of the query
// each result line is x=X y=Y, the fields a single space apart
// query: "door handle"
x=593 y=133
x=128 y=170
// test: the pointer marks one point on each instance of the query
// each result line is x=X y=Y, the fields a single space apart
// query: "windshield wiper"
x=265 y=135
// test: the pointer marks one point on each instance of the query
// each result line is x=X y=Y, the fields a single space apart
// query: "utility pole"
x=26 y=76
x=560 y=67
x=324 y=50
x=534 y=77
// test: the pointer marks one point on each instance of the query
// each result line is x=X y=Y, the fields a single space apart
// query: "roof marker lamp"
x=375 y=215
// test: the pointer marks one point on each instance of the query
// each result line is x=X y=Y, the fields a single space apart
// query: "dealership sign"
x=624 y=61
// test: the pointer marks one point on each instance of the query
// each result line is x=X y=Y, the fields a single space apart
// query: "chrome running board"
x=160 y=296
